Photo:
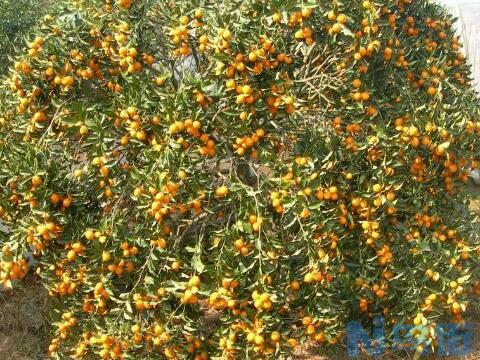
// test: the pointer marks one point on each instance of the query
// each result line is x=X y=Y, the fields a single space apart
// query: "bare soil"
x=23 y=322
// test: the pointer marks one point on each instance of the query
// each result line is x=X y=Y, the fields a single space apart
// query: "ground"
x=24 y=324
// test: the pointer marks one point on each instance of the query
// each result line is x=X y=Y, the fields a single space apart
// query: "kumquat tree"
x=231 y=179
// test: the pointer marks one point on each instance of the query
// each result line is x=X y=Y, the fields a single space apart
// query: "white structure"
x=468 y=27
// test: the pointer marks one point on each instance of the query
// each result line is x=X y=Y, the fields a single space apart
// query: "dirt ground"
x=24 y=326
x=23 y=322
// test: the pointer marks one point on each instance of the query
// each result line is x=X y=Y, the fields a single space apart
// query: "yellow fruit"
x=336 y=28
x=309 y=278
x=259 y=340
x=221 y=191
x=37 y=180
x=194 y=281
x=277 y=17
x=289 y=100
x=342 y=19
x=377 y=188
x=306 y=12
x=275 y=336
x=89 y=235
x=227 y=35
x=106 y=256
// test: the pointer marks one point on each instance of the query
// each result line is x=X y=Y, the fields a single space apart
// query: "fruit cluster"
x=230 y=179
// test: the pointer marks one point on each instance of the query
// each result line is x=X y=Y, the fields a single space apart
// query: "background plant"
x=17 y=20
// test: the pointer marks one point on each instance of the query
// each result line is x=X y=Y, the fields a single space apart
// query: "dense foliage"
x=234 y=178
x=17 y=19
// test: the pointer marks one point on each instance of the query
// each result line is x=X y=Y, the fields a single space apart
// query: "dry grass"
x=24 y=326
x=23 y=322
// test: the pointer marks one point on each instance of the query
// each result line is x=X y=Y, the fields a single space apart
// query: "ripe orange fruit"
x=39 y=117
x=357 y=83
x=125 y=3
x=37 y=180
